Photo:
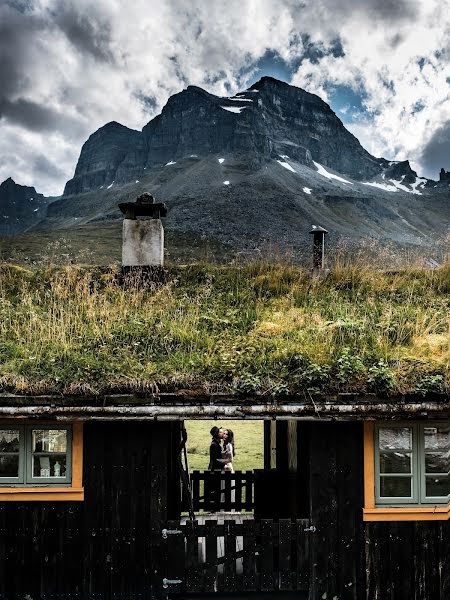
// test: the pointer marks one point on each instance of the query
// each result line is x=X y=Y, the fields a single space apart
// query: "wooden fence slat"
x=195 y=482
x=210 y=568
x=303 y=558
x=215 y=490
x=249 y=486
x=266 y=554
x=249 y=562
x=230 y=557
x=284 y=555
x=193 y=578
x=238 y=477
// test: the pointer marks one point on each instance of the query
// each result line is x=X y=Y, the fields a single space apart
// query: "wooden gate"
x=232 y=556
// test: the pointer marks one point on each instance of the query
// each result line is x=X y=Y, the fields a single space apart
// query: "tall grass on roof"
x=256 y=329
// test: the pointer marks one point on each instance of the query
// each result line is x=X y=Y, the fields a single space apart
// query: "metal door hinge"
x=166 y=532
x=312 y=529
x=167 y=582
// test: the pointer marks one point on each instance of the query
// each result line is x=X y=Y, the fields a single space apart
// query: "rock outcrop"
x=113 y=154
x=21 y=207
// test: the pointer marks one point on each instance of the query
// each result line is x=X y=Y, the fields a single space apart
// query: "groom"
x=212 y=484
x=215 y=450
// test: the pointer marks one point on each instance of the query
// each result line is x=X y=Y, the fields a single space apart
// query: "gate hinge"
x=312 y=529
x=167 y=582
x=166 y=532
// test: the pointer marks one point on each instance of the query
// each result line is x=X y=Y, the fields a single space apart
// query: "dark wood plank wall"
x=332 y=458
x=408 y=561
x=106 y=547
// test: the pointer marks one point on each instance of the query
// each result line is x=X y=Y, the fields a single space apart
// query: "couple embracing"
x=221 y=450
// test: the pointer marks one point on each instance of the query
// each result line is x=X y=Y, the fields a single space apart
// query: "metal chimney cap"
x=318 y=229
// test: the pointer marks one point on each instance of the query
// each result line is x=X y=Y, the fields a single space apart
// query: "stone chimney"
x=143 y=233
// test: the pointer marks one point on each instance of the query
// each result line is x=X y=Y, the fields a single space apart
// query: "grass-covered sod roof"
x=257 y=329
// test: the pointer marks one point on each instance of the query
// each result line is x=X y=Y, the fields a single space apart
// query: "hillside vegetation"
x=254 y=329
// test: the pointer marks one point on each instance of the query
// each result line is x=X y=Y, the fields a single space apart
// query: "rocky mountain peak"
x=266 y=121
x=20 y=207
x=401 y=170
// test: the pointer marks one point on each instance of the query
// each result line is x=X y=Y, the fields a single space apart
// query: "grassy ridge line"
x=260 y=328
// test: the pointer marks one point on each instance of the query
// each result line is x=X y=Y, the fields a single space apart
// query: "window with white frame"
x=35 y=455
x=412 y=464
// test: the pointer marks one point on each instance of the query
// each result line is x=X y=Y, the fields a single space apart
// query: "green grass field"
x=249 y=443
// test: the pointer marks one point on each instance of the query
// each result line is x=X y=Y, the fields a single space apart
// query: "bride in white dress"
x=227 y=460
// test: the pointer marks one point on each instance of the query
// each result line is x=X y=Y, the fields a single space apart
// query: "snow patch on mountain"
x=234 y=109
x=286 y=166
x=383 y=186
x=322 y=171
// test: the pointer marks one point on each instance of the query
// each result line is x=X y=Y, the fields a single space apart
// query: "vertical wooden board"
x=230 y=556
x=249 y=486
x=208 y=493
x=391 y=568
x=323 y=448
x=158 y=501
x=195 y=482
x=210 y=568
x=427 y=563
x=226 y=495
x=174 y=558
x=267 y=581
x=349 y=498
x=302 y=554
x=193 y=576
x=303 y=469
x=237 y=482
x=336 y=501
x=285 y=567
x=249 y=558
x=444 y=558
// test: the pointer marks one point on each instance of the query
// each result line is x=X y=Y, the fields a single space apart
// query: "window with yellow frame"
x=41 y=461
x=407 y=471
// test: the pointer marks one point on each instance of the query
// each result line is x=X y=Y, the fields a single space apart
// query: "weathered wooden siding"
x=107 y=546
x=408 y=561
x=331 y=468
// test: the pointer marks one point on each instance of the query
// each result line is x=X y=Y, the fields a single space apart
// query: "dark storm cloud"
x=89 y=33
x=43 y=166
x=436 y=153
x=17 y=30
x=382 y=10
x=22 y=31
x=38 y=117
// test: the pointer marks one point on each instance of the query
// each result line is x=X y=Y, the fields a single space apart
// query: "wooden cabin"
x=353 y=502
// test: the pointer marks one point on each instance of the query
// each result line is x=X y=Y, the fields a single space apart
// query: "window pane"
x=437 y=462
x=49 y=440
x=395 y=487
x=437 y=438
x=437 y=486
x=49 y=466
x=395 y=438
x=9 y=465
x=395 y=462
x=9 y=440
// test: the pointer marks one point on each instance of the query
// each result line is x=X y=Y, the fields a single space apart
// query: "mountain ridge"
x=253 y=169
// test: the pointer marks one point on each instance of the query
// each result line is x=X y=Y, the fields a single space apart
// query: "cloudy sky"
x=68 y=67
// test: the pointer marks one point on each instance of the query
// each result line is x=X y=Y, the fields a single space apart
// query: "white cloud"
x=89 y=62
